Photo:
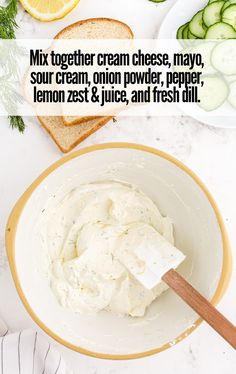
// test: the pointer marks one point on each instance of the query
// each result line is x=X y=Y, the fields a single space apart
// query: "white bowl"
x=199 y=233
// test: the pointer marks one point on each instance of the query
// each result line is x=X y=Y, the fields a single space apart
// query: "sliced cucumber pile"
x=218 y=73
x=216 y=21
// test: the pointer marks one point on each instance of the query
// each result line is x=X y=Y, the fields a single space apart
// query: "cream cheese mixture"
x=89 y=233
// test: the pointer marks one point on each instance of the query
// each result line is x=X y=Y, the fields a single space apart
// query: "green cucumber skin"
x=185 y=32
x=195 y=32
x=157 y=1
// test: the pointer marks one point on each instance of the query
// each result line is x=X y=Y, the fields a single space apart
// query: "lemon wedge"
x=48 y=10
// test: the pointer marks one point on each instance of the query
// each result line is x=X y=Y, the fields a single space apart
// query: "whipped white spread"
x=89 y=233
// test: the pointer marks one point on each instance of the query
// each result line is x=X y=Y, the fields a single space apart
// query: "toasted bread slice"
x=93 y=28
x=67 y=137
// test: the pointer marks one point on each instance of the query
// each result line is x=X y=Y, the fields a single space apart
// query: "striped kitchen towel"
x=27 y=352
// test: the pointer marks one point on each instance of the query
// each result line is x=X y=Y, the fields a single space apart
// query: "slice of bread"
x=66 y=137
x=93 y=28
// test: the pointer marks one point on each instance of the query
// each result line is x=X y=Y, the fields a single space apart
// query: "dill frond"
x=8 y=26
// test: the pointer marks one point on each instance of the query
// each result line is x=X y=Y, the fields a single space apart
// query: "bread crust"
x=88 y=20
x=79 y=120
x=100 y=123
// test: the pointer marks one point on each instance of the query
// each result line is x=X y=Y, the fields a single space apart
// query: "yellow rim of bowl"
x=10 y=245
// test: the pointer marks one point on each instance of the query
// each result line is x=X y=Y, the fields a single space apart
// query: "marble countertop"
x=208 y=151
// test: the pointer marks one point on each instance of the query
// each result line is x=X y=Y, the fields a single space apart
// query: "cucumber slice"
x=179 y=34
x=196 y=25
x=211 y=1
x=205 y=50
x=220 y=30
x=185 y=32
x=227 y=3
x=213 y=94
x=212 y=13
x=223 y=57
x=232 y=94
x=229 y=15
x=157 y=1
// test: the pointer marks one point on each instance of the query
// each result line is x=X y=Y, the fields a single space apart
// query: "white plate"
x=179 y=14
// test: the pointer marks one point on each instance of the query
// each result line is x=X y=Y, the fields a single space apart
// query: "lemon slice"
x=48 y=10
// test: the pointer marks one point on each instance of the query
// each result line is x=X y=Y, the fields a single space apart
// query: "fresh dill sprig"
x=8 y=20
x=16 y=122
x=8 y=26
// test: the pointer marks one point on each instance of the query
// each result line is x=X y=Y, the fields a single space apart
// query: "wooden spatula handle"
x=198 y=303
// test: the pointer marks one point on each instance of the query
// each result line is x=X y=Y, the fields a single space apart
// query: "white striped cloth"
x=27 y=352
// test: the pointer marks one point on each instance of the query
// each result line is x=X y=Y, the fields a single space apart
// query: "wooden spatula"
x=153 y=259
x=201 y=306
